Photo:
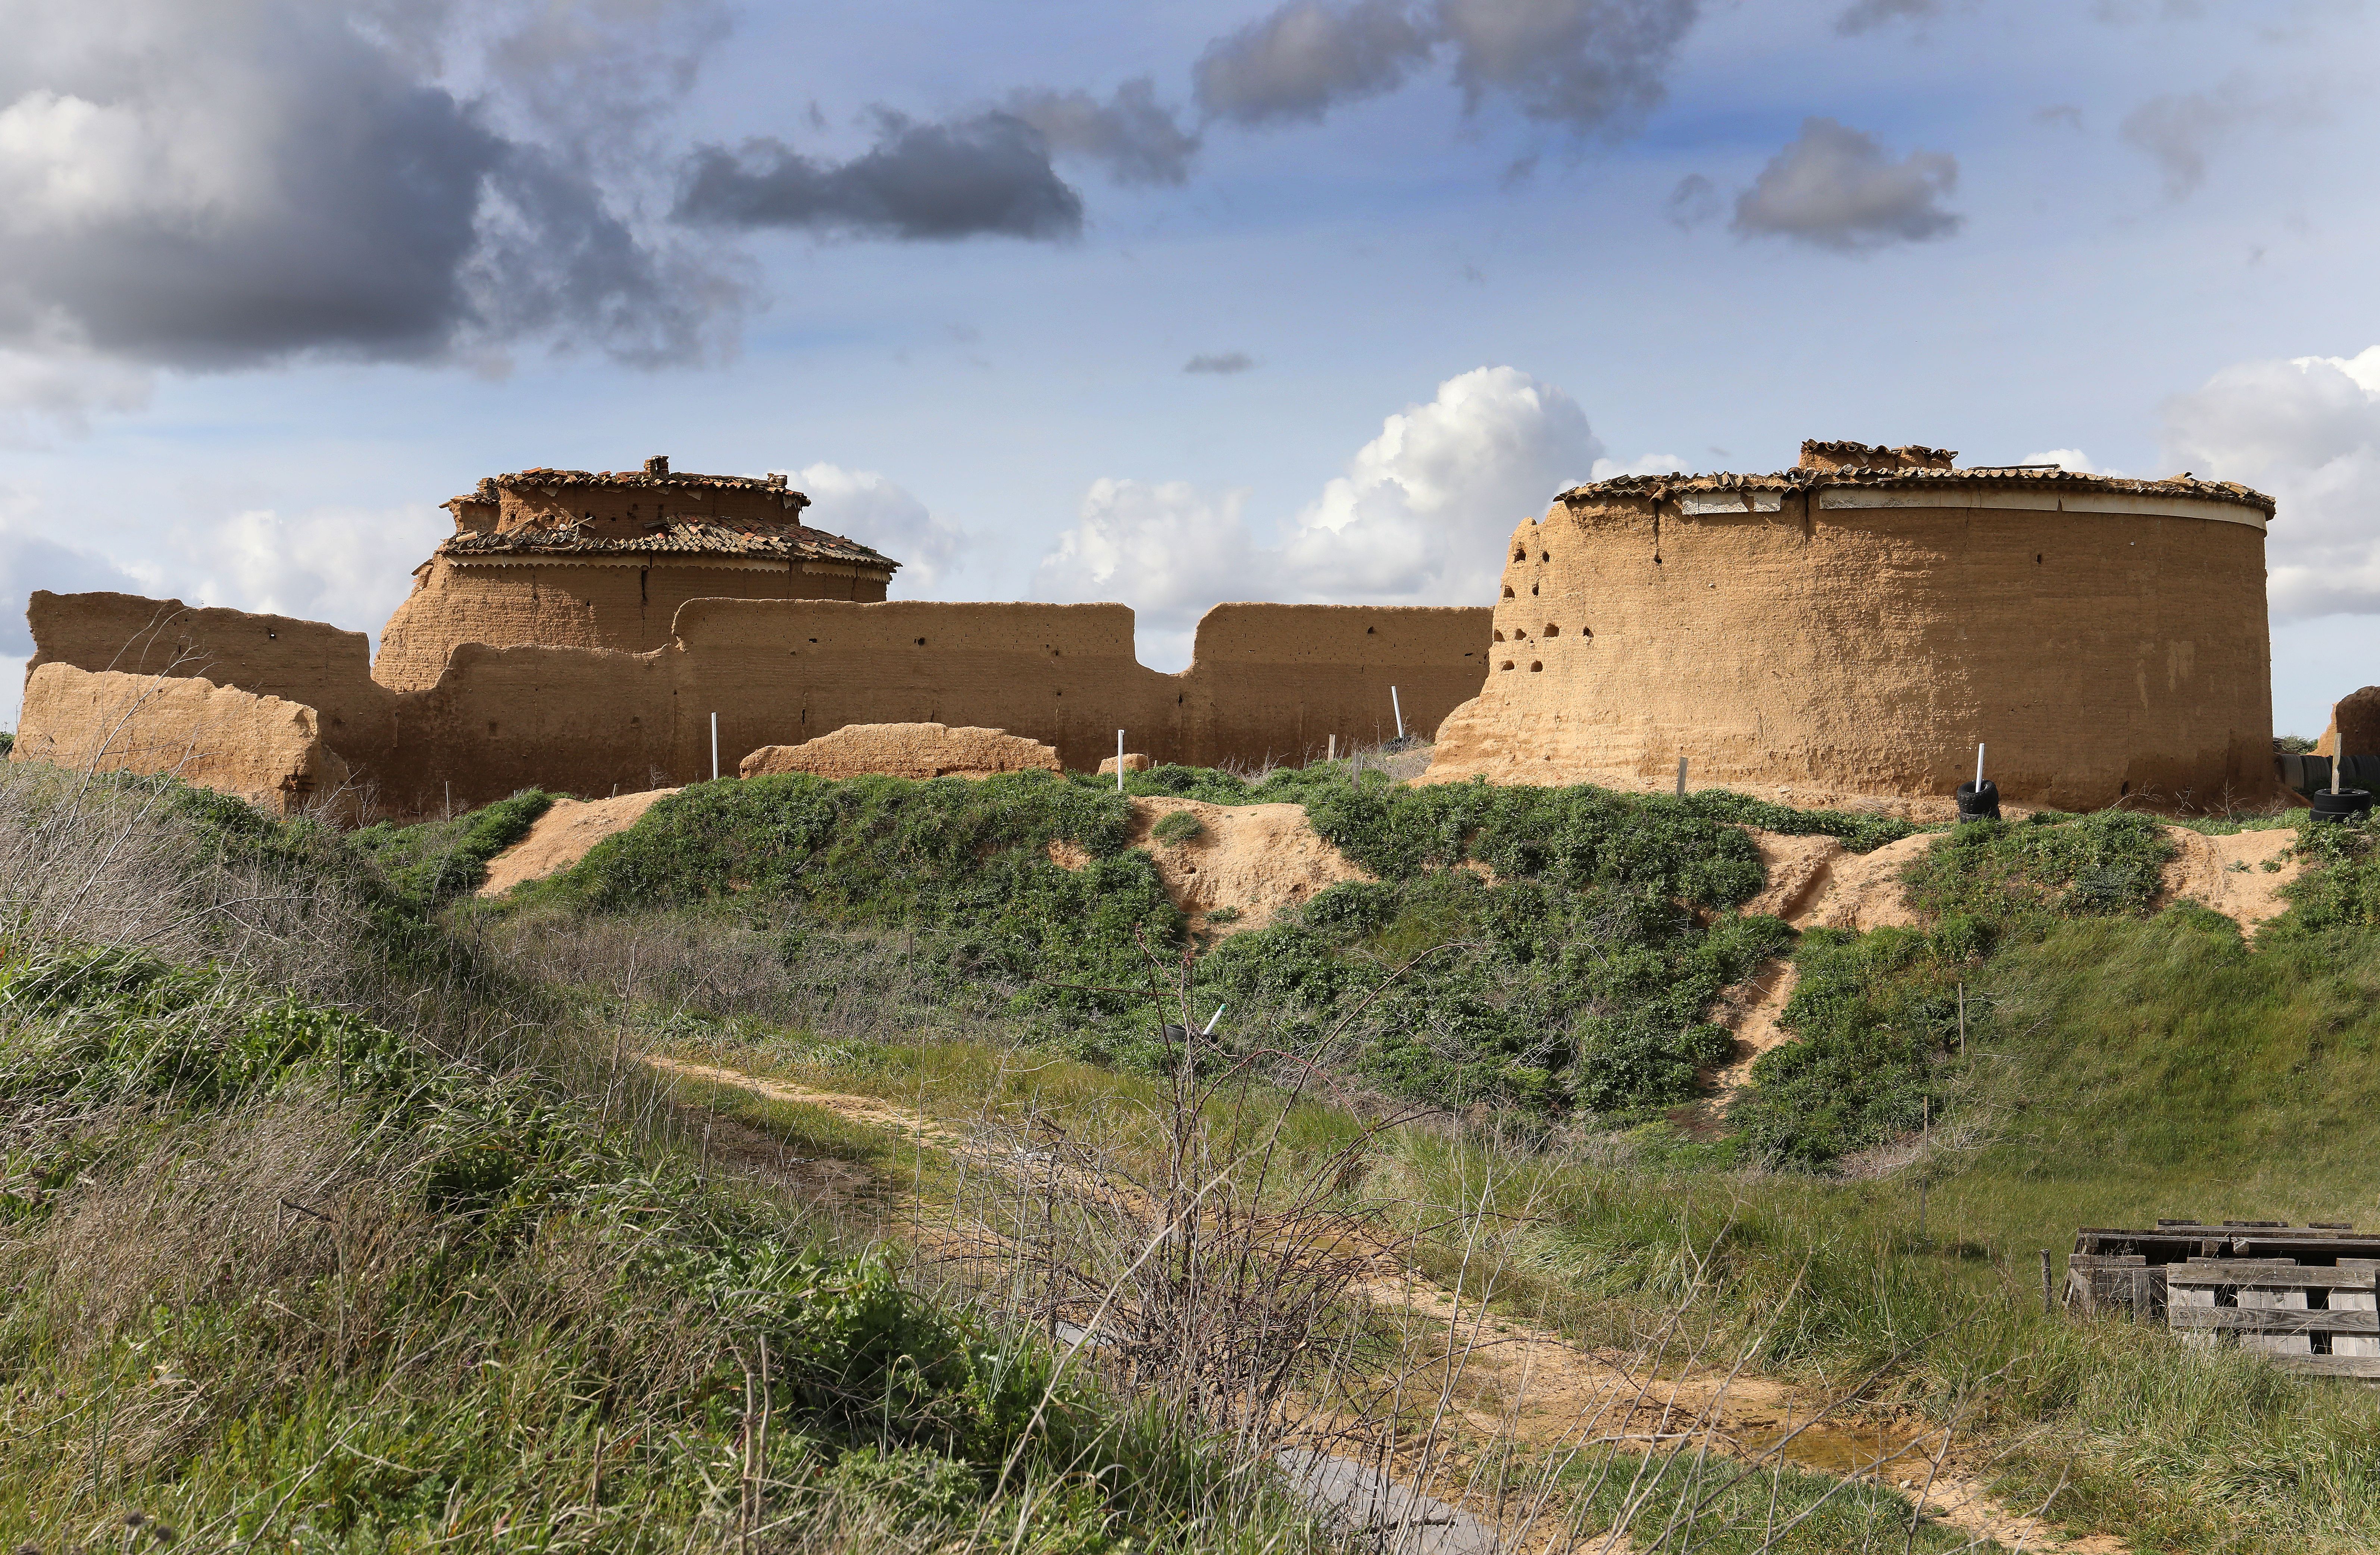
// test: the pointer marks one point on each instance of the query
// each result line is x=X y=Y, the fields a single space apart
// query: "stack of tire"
x=2311 y=776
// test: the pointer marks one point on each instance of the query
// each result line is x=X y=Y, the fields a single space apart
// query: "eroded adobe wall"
x=300 y=661
x=1274 y=682
x=629 y=609
x=2100 y=655
x=261 y=748
x=1269 y=683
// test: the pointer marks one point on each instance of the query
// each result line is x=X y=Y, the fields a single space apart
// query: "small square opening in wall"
x=1500 y=636
x=1508 y=664
x=1534 y=666
x=1552 y=631
x=1508 y=591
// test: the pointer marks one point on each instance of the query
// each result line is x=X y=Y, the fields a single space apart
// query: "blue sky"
x=950 y=268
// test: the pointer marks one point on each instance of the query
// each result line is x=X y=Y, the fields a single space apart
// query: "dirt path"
x=1521 y=1383
x=867 y=1111
x=565 y=835
x=1516 y=1382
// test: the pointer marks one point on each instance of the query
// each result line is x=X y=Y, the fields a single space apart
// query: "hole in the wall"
x=1552 y=631
x=1520 y=553
x=1508 y=664
x=813 y=639
x=921 y=642
x=1534 y=666
x=1533 y=589
x=271 y=633
x=1369 y=630
x=1545 y=555
x=2125 y=791
x=1500 y=636
x=1657 y=562
x=1586 y=631
x=1508 y=591
x=2036 y=558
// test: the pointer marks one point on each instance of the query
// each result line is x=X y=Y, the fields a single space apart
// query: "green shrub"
x=2340 y=886
x=2067 y=866
x=431 y=864
x=1875 y=1014
x=1176 y=828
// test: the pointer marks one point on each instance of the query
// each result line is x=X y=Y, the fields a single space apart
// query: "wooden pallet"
x=2317 y=1320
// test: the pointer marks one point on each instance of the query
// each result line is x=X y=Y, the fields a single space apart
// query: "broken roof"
x=1982 y=475
x=703 y=537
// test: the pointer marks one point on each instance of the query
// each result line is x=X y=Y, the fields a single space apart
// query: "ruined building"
x=1857 y=624
x=578 y=558
x=581 y=632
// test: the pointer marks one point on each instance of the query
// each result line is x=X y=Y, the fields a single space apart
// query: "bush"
x=429 y=865
x=1176 y=828
x=2099 y=865
x=2340 y=888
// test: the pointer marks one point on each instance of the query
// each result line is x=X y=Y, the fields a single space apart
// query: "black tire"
x=2346 y=806
x=1979 y=801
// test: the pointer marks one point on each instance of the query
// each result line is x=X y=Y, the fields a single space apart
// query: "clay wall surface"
x=912 y=751
x=261 y=748
x=1269 y=682
x=2354 y=720
x=1867 y=650
x=629 y=607
x=301 y=662
x=1275 y=681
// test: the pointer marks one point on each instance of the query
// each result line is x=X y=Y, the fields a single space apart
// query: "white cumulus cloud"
x=2307 y=430
x=863 y=506
x=1419 y=517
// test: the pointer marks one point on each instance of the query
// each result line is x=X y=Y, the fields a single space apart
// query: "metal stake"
x=714 y=747
x=1398 y=708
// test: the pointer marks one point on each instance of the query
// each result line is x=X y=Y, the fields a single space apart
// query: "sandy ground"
x=1813 y=883
x=1751 y=1010
x=2227 y=873
x=1257 y=858
x=563 y=835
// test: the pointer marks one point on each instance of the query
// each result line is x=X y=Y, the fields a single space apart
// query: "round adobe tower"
x=1856 y=625
x=581 y=559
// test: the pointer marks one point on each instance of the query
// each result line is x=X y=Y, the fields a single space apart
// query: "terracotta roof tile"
x=697 y=538
x=1981 y=475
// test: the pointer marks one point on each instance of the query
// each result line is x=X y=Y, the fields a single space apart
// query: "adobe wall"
x=1864 y=642
x=300 y=661
x=628 y=607
x=1269 y=682
x=259 y=748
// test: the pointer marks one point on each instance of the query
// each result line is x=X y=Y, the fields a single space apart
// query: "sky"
x=1164 y=304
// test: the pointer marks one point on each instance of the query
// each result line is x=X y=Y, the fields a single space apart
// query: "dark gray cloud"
x=983 y=176
x=1865 y=15
x=1307 y=58
x=1221 y=363
x=1130 y=136
x=1836 y=187
x=2181 y=131
x=213 y=187
x=1694 y=201
x=1586 y=65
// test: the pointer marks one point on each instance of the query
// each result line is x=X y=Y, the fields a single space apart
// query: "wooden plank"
x=2366 y=1366
x=2284 y=1276
x=2272 y=1320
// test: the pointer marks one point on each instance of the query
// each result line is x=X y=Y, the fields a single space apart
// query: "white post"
x=1334 y=749
x=714 y=747
x=2337 y=760
x=1211 y=1022
x=1979 y=766
x=1398 y=708
x=1681 y=777
x=1119 y=761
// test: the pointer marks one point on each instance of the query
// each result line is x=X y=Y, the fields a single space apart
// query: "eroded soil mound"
x=563 y=835
x=1813 y=883
x=1252 y=859
x=917 y=751
x=2227 y=873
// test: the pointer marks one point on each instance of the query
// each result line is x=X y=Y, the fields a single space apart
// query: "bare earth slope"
x=565 y=835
